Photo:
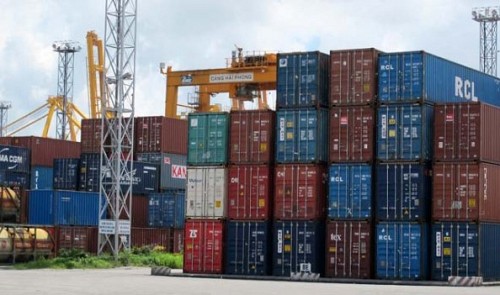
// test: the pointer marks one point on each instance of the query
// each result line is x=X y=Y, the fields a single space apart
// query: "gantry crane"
x=95 y=48
x=244 y=78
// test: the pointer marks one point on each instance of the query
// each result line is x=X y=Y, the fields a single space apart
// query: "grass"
x=75 y=259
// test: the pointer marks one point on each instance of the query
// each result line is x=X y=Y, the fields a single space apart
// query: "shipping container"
x=50 y=207
x=26 y=242
x=251 y=136
x=248 y=248
x=159 y=134
x=66 y=173
x=140 y=211
x=352 y=134
x=466 y=191
x=300 y=192
x=172 y=168
x=14 y=159
x=208 y=138
x=350 y=191
x=353 y=76
x=204 y=246
x=153 y=238
x=44 y=150
x=145 y=178
x=302 y=136
x=178 y=241
x=41 y=178
x=302 y=79
x=206 y=194
x=250 y=194
x=404 y=132
x=81 y=238
x=466 y=250
x=418 y=76
x=403 y=192
x=348 y=249
x=167 y=209
x=15 y=179
x=402 y=251
x=10 y=204
x=298 y=246
x=90 y=172
x=91 y=135
x=466 y=132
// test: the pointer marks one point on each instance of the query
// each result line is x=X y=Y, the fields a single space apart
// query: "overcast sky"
x=197 y=34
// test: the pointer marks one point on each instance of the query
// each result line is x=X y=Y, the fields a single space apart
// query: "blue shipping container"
x=350 y=191
x=66 y=173
x=248 y=248
x=298 y=246
x=145 y=178
x=418 y=76
x=465 y=249
x=402 y=251
x=404 y=132
x=90 y=172
x=51 y=207
x=166 y=209
x=302 y=136
x=403 y=192
x=172 y=168
x=303 y=80
x=14 y=159
x=13 y=178
x=41 y=178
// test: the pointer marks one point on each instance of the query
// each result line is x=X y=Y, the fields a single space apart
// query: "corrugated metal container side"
x=251 y=136
x=403 y=192
x=465 y=249
x=402 y=251
x=352 y=134
x=172 y=168
x=14 y=159
x=404 y=132
x=76 y=238
x=208 y=138
x=66 y=173
x=248 y=248
x=298 y=246
x=166 y=209
x=91 y=135
x=140 y=211
x=422 y=77
x=151 y=238
x=348 y=249
x=90 y=172
x=250 y=195
x=466 y=191
x=466 y=131
x=204 y=246
x=15 y=179
x=49 y=207
x=178 y=246
x=206 y=194
x=353 y=76
x=300 y=192
x=156 y=135
x=302 y=135
x=302 y=79
x=350 y=191
x=146 y=177
x=45 y=150
x=41 y=177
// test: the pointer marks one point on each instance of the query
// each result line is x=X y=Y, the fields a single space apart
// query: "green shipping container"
x=208 y=138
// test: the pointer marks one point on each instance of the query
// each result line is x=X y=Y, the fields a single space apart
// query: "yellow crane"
x=95 y=64
x=244 y=78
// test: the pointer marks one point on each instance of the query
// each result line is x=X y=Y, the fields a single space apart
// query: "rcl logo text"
x=384 y=238
x=465 y=89
x=386 y=67
x=336 y=179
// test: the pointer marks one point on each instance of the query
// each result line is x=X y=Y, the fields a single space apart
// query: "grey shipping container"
x=172 y=168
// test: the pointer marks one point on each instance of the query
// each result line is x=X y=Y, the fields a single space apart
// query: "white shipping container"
x=206 y=195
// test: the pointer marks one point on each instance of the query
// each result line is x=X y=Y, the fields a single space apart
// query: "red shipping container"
x=45 y=150
x=466 y=192
x=467 y=131
x=203 y=246
x=249 y=192
x=140 y=211
x=151 y=237
x=300 y=192
x=251 y=136
x=178 y=240
x=6 y=140
x=352 y=134
x=91 y=135
x=160 y=135
x=78 y=238
x=348 y=249
x=353 y=76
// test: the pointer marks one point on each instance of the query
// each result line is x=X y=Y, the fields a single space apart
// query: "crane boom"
x=96 y=73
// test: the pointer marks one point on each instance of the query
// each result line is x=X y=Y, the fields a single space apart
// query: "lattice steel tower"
x=4 y=108
x=487 y=18
x=66 y=50
x=117 y=140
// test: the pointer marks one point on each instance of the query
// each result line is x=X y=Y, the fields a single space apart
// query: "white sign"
x=225 y=78
x=107 y=227
x=124 y=227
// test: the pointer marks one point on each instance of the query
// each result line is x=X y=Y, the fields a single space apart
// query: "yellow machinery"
x=95 y=48
x=244 y=79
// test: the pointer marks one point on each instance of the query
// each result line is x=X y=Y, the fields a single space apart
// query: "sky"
x=199 y=34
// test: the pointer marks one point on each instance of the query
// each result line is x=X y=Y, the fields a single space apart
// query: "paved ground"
x=124 y=281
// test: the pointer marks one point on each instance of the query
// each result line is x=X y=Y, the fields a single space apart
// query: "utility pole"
x=487 y=17
x=4 y=108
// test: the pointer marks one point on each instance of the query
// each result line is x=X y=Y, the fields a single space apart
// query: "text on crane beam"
x=226 y=78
